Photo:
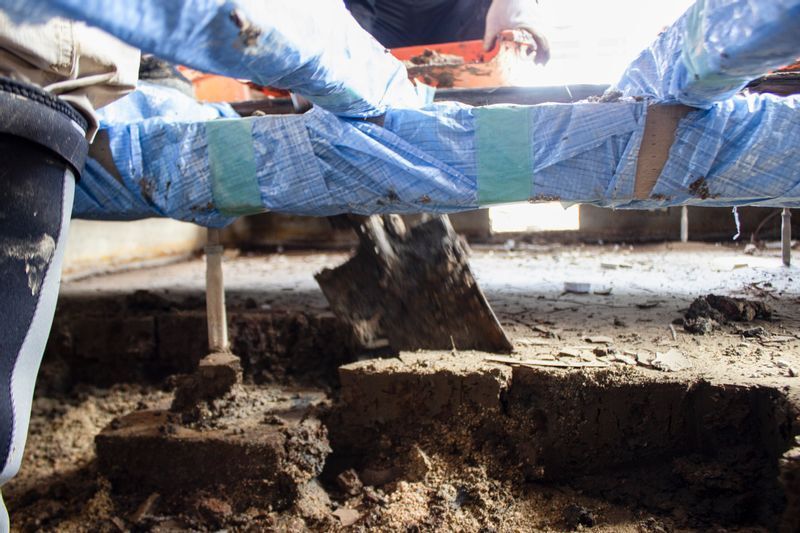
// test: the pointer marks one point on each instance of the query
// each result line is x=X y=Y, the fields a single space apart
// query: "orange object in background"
x=210 y=88
x=460 y=64
x=213 y=88
x=466 y=65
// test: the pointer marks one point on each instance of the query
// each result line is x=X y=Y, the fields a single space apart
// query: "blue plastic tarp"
x=714 y=50
x=442 y=158
x=312 y=47
x=192 y=162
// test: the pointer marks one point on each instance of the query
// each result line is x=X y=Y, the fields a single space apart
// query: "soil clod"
x=710 y=312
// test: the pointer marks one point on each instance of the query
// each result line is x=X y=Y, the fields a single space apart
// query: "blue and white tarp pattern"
x=714 y=50
x=442 y=158
x=313 y=47
x=194 y=162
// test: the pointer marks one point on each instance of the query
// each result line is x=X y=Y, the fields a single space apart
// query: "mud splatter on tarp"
x=248 y=33
x=35 y=253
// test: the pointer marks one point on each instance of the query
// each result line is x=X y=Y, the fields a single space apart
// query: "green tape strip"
x=505 y=160
x=232 y=162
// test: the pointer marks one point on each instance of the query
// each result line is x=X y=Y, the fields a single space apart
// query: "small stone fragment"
x=346 y=516
x=349 y=482
x=576 y=287
x=754 y=332
x=313 y=502
x=216 y=374
x=671 y=361
x=570 y=352
x=599 y=339
x=627 y=359
x=145 y=508
x=214 y=510
x=577 y=515
x=643 y=358
x=377 y=477
x=418 y=464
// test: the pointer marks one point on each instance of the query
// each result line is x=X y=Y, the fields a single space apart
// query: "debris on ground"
x=577 y=515
x=348 y=517
x=756 y=332
x=555 y=363
x=671 y=361
x=576 y=287
x=580 y=287
x=599 y=339
x=215 y=376
x=499 y=457
x=349 y=482
x=650 y=304
x=708 y=313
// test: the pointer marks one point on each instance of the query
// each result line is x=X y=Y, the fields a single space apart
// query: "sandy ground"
x=637 y=293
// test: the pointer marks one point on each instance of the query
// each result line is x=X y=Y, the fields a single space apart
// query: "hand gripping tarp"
x=442 y=158
x=714 y=50
x=313 y=47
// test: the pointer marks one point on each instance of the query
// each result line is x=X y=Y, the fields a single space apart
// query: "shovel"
x=412 y=287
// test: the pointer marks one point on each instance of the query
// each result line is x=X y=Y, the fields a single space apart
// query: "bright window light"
x=520 y=218
x=593 y=42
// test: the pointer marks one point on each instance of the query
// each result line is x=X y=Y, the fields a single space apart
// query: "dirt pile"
x=146 y=337
x=709 y=313
x=691 y=448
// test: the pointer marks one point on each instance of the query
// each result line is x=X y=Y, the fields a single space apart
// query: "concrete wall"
x=95 y=246
x=705 y=223
x=269 y=230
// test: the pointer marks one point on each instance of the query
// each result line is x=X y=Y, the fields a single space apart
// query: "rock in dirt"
x=145 y=509
x=376 y=477
x=709 y=312
x=215 y=376
x=790 y=479
x=577 y=515
x=757 y=332
x=313 y=502
x=349 y=482
x=624 y=358
x=214 y=510
x=652 y=525
x=599 y=339
x=671 y=361
x=346 y=516
x=418 y=465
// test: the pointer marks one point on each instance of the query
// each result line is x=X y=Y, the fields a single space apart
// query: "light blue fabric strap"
x=505 y=158
x=232 y=163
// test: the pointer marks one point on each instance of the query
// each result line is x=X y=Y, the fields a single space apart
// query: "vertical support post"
x=684 y=223
x=215 y=295
x=786 y=236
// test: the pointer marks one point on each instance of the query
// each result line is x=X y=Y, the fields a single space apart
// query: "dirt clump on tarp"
x=432 y=57
x=710 y=312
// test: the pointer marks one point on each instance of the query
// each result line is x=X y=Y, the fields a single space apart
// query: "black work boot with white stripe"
x=42 y=151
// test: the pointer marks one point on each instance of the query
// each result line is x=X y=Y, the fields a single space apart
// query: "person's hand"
x=516 y=14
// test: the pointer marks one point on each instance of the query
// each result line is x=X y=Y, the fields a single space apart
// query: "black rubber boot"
x=42 y=151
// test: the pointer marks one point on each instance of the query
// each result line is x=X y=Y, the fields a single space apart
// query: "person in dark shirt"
x=398 y=23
